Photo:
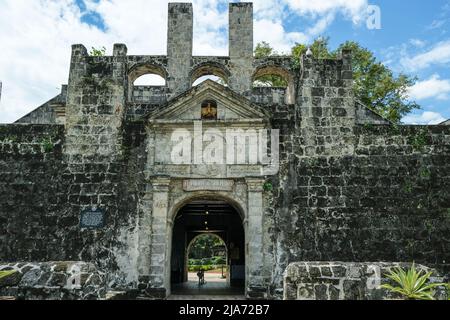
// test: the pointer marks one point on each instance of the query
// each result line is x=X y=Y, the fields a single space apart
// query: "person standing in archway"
x=201 y=277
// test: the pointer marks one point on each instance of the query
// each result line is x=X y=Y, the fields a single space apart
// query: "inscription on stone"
x=92 y=219
x=244 y=170
x=208 y=185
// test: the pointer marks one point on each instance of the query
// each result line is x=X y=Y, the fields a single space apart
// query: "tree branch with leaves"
x=375 y=85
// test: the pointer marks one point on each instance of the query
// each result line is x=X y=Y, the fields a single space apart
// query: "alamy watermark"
x=229 y=146
x=373 y=21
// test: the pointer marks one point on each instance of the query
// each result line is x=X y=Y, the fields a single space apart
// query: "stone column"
x=179 y=47
x=160 y=235
x=241 y=46
x=254 y=239
x=144 y=236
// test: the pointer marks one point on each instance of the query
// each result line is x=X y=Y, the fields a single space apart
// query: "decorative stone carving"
x=209 y=110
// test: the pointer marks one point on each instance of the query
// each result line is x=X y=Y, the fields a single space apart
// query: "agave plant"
x=412 y=284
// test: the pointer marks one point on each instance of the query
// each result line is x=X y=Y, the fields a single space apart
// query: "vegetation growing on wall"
x=47 y=145
x=419 y=140
x=97 y=52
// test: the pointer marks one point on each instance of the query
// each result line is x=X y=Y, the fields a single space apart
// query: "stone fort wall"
x=388 y=201
x=42 y=196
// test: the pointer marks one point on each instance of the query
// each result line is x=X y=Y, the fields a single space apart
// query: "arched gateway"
x=179 y=209
x=196 y=164
x=208 y=216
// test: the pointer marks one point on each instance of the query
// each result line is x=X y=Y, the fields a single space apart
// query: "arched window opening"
x=146 y=83
x=275 y=77
x=214 y=78
x=207 y=254
x=270 y=81
x=271 y=77
x=209 y=71
x=150 y=80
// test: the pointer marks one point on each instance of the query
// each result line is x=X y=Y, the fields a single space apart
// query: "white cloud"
x=142 y=25
x=354 y=9
x=440 y=54
x=434 y=87
x=269 y=15
x=321 y=25
x=426 y=118
x=436 y=24
x=275 y=34
x=36 y=45
x=37 y=38
x=417 y=43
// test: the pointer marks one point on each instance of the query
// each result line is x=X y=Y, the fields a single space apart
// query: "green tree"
x=203 y=246
x=262 y=50
x=319 y=49
x=375 y=85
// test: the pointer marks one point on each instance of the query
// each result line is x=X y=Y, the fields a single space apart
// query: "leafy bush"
x=412 y=284
x=219 y=260
x=207 y=261
x=201 y=267
x=193 y=262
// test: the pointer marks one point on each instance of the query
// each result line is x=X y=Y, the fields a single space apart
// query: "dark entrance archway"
x=208 y=216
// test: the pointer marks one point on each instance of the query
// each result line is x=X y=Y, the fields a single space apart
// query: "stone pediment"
x=188 y=106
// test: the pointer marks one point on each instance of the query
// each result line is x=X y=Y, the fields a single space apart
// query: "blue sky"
x=36 y=38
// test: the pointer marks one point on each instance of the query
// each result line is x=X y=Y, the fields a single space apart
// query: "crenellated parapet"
x=306 y=79
x=239 y=71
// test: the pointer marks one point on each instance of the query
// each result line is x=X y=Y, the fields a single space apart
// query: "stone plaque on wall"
x=92 y=219
x=208 y=185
